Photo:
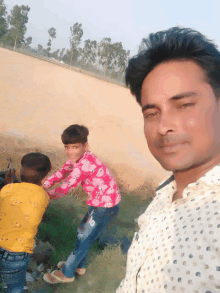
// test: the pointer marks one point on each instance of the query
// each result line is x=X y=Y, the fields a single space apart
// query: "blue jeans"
x=13 y=267
x=92 y=225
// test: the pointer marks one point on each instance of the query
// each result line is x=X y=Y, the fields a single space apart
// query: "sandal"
x=57 y=279
x=79 y=271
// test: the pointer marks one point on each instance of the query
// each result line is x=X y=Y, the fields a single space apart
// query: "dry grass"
x=16 y=148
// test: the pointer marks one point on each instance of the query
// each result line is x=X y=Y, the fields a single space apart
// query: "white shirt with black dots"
x=177 y=248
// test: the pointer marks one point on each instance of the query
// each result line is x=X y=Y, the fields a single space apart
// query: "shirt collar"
x=211 y=178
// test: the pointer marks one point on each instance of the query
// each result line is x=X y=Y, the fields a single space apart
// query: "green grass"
x=105 y=268
x=61 y=230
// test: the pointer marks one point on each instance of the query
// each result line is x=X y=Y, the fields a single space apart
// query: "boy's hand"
x=9 y=176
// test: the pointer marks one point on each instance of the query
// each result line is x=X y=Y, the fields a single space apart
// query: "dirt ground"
x=39 y=100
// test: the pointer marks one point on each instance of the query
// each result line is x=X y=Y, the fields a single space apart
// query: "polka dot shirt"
x=177 y=248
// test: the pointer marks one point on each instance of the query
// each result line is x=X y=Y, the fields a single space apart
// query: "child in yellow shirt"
x=22 y=206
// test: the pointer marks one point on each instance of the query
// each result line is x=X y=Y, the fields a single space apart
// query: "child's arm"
x=58 y=176
x=72 y=181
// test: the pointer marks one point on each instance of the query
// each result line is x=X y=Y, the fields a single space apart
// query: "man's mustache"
x=171 y=140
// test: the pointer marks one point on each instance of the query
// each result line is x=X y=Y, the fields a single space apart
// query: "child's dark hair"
x=75 y=134
x=35 y=166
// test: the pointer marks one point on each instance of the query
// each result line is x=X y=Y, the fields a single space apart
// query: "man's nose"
x=168 y=123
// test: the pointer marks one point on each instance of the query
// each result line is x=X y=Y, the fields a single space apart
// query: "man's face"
x=75 y=151
x=181 y=116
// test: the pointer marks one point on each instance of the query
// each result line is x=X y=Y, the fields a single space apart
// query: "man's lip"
x=164 y=145
x=170 y=147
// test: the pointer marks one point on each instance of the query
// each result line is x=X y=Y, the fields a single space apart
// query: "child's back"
x=22 y=207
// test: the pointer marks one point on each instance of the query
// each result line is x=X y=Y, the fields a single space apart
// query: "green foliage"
x=76 y=33
x=52 y=35
x=55 y=54
x=67 y=57
x=112 y=56
x=18 y=19
x=62 y=53
x=88 y=53
x=105 y=53
x=121 y=57
x=3 y=19
x=39 y=48
x=27 y=43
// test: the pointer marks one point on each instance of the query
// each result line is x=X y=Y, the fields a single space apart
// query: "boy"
x=22 y=206
x=104 y=197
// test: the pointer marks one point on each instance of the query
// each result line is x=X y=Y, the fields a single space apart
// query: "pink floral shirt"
x=94 y=176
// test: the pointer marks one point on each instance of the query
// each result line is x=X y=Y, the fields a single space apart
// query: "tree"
x=105 y=53
x=18 y=19
x=113 y=57
x=123 y=62
x=75 y=40
x=62 y=53
x=27 y=43
x=120 y=59
x=55 y=54
x=52 y=35
x=3 y=19
x=39 y=48
x=88 y=53
x=67 y=57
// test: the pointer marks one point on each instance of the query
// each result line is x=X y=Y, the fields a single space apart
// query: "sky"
x=126 y=21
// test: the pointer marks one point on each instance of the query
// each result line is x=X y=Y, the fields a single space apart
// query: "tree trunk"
x=71 y=59
x=105 y=68
x=121 y=75
x=15 y=44
x=81 y=63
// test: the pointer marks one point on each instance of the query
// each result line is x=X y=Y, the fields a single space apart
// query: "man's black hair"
x=176 y=44
x=75 y=134
x=35 y=166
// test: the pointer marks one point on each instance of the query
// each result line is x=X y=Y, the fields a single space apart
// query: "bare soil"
x=39 y=100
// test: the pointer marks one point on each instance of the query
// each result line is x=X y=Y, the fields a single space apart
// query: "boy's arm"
x=71 y=182
x=58 y=176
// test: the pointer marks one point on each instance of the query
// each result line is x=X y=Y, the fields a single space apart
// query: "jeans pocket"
x=13 y=268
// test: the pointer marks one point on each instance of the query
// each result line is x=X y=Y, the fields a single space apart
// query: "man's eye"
x=187 y=105
x=150 y=115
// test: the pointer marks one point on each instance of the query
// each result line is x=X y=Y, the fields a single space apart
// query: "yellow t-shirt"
x=22 y=206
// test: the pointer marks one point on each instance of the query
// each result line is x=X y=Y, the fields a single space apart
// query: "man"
x=176 y=81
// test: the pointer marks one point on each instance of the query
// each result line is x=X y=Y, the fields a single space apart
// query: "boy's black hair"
x=75 y=134
x=175 y=43
x=35 y=166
